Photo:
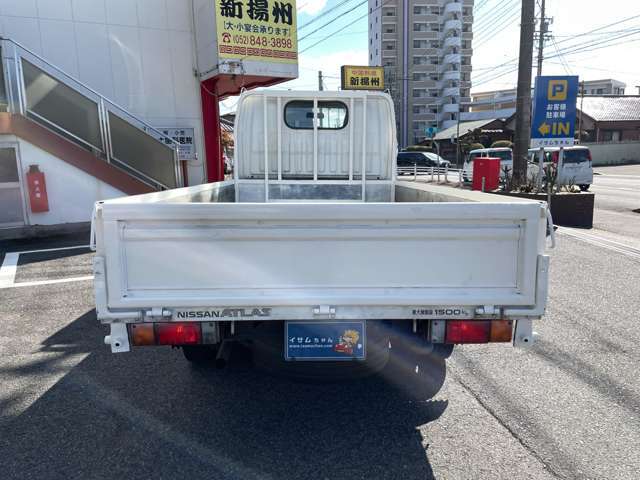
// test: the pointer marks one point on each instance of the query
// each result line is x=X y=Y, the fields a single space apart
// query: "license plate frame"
x=303 y=341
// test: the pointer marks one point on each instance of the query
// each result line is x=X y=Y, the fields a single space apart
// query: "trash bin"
x=486 y=174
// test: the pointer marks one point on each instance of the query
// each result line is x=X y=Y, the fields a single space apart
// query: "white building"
x=134 y=64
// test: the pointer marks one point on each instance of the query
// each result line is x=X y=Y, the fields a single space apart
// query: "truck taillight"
x=555 y=157
x=178 y=333
x=478 y=331
x=142 y=334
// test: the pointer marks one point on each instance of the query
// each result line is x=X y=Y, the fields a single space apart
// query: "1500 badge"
x=453 y=312
x=225 y=313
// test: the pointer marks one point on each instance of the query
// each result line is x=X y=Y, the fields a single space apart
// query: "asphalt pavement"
x=569 y=407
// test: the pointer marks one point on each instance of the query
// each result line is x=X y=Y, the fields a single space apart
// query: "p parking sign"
x=554 y=112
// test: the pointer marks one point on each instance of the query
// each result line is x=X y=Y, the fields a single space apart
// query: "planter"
x=567 y=209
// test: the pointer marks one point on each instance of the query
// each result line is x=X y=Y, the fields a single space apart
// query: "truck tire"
x=585 y=187
x=200 y=354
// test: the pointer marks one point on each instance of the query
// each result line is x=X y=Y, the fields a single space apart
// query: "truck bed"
x=195 y=250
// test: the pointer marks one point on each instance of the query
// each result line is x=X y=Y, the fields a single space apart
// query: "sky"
x=496 y=40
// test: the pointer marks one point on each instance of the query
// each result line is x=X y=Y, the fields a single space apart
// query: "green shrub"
x=502 y=144
x=475 y=146
x=420 y=148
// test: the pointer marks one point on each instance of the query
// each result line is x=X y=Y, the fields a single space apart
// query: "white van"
x=504 y=154
x=577 y=165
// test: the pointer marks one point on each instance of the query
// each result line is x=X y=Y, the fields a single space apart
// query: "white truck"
x=304 y=245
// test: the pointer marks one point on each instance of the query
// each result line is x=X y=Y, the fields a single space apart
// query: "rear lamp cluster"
x=478 y=331
x=189 y=333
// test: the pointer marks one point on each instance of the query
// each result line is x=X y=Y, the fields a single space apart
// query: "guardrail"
x=430 y=174
x=33 y=87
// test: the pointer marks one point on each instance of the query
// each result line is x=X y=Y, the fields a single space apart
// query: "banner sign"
x=554 y=112
x=362 y=78
x=263 y=30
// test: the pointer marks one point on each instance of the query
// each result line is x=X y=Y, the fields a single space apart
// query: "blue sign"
x=324 y=340
x=554 y=112
x=430 y=131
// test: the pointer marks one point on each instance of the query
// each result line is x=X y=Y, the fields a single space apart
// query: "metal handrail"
x=17 y=102
x=84 y=85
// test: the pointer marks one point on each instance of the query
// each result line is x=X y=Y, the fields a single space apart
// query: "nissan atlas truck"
x=316 y=250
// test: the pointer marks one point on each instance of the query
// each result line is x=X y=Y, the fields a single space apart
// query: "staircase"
x=59 y=114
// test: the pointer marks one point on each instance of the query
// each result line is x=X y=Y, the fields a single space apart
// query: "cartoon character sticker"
x=347 y=342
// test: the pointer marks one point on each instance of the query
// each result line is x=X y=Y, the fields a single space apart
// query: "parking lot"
x=567 y=408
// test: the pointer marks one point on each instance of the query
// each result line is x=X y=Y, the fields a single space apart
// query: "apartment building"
x=425 y=48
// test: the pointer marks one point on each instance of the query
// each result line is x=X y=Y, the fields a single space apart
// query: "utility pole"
x=320 y=86
x=543 y=31
x=523 y=100
x=580 y=118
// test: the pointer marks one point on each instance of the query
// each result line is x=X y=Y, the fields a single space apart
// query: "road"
x=617 y=196
x=567 y=408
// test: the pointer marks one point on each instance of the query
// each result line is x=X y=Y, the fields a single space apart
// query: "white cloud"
x=311 y=7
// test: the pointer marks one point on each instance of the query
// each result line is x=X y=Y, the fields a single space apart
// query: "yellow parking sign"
x=558 y=90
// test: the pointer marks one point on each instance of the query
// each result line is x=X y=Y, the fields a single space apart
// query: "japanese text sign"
x=264 y=30
x=554 y=112
x=362 y=78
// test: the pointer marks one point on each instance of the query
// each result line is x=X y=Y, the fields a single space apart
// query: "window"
x=419 y=60
x=419 y=77
x=298 y=115
x=419 y=10
x=600 y=91
x=420 y=44
x=389 y=30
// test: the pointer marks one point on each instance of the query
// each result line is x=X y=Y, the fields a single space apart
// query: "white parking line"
x=8 y=269
x=10 y=266
x=599 y=241
x=50 y=282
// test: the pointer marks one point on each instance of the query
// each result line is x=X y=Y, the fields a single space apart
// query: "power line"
x=340 y=17
x=382 y=4
x=323 y=14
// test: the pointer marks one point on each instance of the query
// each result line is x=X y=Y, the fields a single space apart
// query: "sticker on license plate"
x=324 y=341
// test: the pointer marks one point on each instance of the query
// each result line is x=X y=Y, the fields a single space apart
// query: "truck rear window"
x=331 y=115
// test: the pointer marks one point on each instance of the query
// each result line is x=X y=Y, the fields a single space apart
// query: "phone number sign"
x=263 y=30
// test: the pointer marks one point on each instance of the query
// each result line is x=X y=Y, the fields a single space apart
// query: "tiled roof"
x=465 y=127
x=611 y=108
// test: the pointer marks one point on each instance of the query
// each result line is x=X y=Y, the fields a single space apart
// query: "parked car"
x=577 y=165
x=504 y=154
x=421 y=160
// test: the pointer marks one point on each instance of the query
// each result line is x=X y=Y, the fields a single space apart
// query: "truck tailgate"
x=304 y=255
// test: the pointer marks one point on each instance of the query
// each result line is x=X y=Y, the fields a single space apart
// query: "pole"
x=458 y=139
x=320 y=80
x=543 y=31
x=580 y=117
x=523 y=100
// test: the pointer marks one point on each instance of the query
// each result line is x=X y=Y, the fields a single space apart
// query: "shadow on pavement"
x=149 y=414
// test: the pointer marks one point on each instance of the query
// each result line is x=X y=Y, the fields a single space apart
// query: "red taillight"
x=468 y=331
x=478 y=331
x=589 y=155
x=555 y=156
x=178 y=333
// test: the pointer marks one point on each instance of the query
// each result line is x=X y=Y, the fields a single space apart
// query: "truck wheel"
x=584 y=188
x=199 y=354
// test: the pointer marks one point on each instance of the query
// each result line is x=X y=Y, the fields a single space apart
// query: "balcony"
x=451 y=92
x=452 y=58
x=454 y=24
x=452 y=42
x=451 y=75
x=453 y=7
x=450 y=108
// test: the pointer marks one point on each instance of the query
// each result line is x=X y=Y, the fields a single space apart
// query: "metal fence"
x=33 y=87
x=430 y=174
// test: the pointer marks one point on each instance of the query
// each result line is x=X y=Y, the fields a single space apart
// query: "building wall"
x=71 y=192
x=614 y=153
x=409 y=40
x=137 y=53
